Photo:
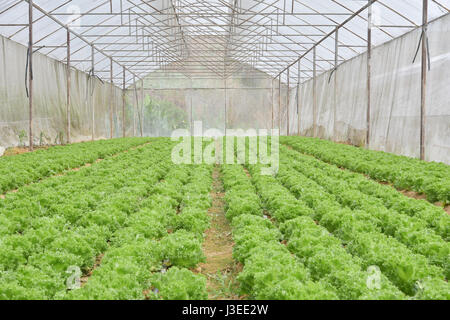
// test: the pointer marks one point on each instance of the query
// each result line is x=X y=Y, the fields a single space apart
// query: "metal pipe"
x=271 y=101
x=226 y=103
x=112 y=98
x=279 y=102
x=192 y=111
x=336 y=62
x=369 y=58
x=134 y=106
x=68 y=76
x=299 y=97
x=92 y=92
x=123 y=103
x=314 y=91
x=142 y=108
x=30 y=71
x=287 y=103
x=423 y=78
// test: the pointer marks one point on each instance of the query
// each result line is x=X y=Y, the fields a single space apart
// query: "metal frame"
x=425 y=57
x=30 y=73
x=132 y=39
x=206 y=37
x=68 y=76
x=369 y=70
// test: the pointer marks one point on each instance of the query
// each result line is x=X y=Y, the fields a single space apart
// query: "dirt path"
x=85 y=278
x=220 y=268
x=21 y=150
x=418 y=196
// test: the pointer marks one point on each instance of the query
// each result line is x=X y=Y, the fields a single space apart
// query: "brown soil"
x=447 y=209
x=87 y=165
x=21 y=150
x=413 y=194
x=220 y=268
x=247 y=172
x=3 y=196
x=84 y=279
x=416 y=195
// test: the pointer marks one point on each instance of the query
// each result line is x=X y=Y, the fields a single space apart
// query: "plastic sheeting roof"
x=209 y=37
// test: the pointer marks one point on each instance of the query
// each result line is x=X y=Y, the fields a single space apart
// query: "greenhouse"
x=224 y=150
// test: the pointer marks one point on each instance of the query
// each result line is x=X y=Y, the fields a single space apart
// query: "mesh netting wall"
x=341 y=105
x=49 y=94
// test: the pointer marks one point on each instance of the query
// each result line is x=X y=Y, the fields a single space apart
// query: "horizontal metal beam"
x=357 y=13
x=223 y=37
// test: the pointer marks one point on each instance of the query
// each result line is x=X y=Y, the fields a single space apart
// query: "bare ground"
x=98 y=261
x=416 y=195
x=220 y=268
x=21 y=150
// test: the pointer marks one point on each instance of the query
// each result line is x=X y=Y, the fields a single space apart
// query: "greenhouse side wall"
x=395 y=98
x=50 y=91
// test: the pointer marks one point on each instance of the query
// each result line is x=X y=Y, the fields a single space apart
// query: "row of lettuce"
x=430 y=178
x=17 y=171
x=270 y=271
x=150 y=257
x=320 y=267
x=134 y=226
x=424 y=230
x=129 y=227
x=348 y=243
x=409 y=247
x=419 y=269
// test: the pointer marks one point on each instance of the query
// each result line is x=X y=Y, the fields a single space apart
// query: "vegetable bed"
x=430 y=178
x=132 y=227
x=17 y=171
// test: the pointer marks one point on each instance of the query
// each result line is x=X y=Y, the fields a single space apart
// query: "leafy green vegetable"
x=431 y=178
x=179 y=284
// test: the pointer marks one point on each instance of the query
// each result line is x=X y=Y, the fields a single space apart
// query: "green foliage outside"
x=162 y=117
